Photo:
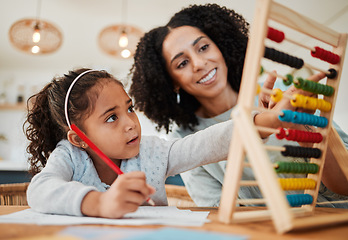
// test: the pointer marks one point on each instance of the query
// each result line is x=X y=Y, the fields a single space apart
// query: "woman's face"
x=194 y=62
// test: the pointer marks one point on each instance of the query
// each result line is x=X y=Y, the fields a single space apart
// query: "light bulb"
x=36 y=34
x=125 y=53
x=123 y=41
x=35 y=49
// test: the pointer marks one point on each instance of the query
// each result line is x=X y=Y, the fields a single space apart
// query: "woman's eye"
x=112 y=118
x=131 y=109
x=204 y=47
x=182 y=64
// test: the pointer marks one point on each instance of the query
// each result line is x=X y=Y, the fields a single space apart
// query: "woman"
x=188 y=73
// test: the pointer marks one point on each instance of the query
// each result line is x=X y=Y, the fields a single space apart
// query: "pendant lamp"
x=35 y=36
x=120 y=40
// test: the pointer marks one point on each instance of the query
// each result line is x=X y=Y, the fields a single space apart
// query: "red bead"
x=281 y=133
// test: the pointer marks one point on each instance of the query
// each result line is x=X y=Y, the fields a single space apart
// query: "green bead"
x=329 y=90
x=261 y=70
x=299 y=82
x=289 y=80
x=293 y=167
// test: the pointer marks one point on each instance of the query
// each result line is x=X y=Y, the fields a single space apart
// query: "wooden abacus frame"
x=246 y=140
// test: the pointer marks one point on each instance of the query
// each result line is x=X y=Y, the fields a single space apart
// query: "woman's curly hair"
x=46 y=125
x=153 y=89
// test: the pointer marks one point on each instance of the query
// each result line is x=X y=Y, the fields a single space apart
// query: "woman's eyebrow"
x=193 y=44
x=197 y=40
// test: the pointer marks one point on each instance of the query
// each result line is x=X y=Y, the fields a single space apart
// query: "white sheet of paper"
x=143 y=216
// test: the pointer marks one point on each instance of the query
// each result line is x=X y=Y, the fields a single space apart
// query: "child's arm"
x=68 y=177
x=206 y=146
x=125 y=195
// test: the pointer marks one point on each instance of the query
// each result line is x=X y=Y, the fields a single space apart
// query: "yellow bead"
x=258 y=90
x=297 y=100
x=276 y=95
x=324 y=106
x=311 y=103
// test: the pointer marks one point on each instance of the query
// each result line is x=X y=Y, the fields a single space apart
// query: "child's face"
x=113 y=126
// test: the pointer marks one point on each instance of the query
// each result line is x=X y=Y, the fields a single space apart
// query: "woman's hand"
x=125 y=195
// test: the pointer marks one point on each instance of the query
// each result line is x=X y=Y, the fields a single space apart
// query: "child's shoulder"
x=150 y=140
x=154 y=144
x=65 y=150
x=65 y=145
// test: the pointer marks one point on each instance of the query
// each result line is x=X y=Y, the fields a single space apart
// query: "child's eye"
x=182 y=64
x=112 y=118
x=204 y=47
x=131 y=109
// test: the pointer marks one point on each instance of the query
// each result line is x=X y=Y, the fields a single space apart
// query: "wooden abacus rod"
x=246 y=164
x=248 y=183
x=316 y=68
x=274 y=148
x=279 y=76
x=261 y=109
x=275 y=74
x=332 y=202
x=267 y=129
x=251 y=201
x=300 y=44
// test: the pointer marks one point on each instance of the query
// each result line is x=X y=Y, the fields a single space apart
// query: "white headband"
x=68 y=93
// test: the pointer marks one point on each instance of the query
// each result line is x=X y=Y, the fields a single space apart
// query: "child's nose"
x=130 y=123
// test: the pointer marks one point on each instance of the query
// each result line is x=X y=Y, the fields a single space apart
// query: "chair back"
x=13 y=194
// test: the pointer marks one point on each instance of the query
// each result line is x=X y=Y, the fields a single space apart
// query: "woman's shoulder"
x=203 y=123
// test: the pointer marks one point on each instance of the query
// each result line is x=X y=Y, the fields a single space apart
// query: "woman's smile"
x=209 y=78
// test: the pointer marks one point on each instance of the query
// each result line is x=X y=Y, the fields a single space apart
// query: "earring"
x=178 y=97
x=83 y=145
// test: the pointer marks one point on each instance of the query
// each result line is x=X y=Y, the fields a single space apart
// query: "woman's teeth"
x=207 y=78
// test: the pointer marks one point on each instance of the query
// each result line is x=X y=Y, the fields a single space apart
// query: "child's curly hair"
x=152 y=88
x=46 y=125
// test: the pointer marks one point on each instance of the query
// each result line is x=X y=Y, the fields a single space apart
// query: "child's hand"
x=265 y=99
x=125 y=195
x=270 y=119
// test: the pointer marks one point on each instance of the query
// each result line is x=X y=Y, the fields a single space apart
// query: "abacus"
x=287 y=211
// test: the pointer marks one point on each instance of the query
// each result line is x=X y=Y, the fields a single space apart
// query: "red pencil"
x=101 y=154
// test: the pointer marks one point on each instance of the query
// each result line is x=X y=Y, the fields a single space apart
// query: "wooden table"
x=258 y=230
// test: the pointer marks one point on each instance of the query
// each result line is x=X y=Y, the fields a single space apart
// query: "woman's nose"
x=198 y=63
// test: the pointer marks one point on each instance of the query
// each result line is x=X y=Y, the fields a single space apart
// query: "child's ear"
x=75 y=140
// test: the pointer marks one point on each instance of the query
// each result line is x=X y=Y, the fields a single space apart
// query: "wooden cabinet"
x=11 y=106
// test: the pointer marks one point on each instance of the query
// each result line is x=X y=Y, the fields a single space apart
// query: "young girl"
x=70 y=178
